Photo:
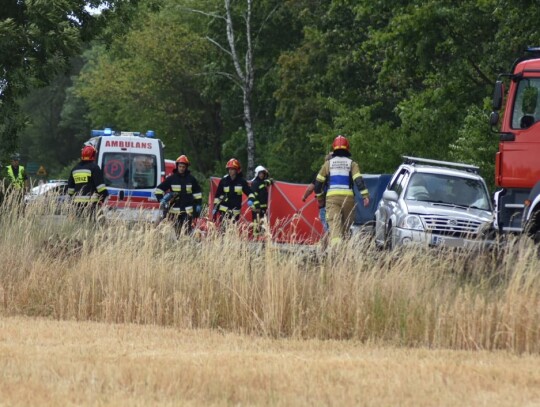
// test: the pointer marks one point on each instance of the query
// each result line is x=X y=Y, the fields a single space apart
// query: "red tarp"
x=291 y=220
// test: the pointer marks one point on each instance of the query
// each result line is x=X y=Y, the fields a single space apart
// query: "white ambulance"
x=133 y=165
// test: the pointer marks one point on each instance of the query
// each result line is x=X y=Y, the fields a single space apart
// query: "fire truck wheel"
x=532 y=227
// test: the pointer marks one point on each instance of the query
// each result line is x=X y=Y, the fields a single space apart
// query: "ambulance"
x=133 y=165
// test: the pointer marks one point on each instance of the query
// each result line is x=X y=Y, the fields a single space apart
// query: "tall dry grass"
x=65 y=268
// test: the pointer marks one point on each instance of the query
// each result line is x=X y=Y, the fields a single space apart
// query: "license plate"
x=448 y=242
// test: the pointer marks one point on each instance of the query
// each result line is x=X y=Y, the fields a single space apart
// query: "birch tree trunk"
x=245 y=77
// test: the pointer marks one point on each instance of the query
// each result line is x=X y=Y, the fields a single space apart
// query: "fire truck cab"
x=133 y=165
x=517 y=163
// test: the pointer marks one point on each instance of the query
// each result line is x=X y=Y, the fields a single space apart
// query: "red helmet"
x=88 y=153
x=182 y=160
x=341 y=143
x=233 y=163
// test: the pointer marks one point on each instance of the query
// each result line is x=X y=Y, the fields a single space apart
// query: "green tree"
x=476 y=144
x=151 y=79
x=56 y=124
x=37 y=40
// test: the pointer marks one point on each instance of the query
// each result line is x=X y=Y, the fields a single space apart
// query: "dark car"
x=364 y=219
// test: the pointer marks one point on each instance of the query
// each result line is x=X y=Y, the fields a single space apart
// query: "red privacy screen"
x=291 y=220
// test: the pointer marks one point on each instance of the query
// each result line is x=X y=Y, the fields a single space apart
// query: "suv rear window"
x=130 y=171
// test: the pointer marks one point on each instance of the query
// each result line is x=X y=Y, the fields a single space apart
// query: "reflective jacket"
x=338 y=174
x=16 y=180
x=86 y=183
x=187 y=192
x=229 y=194
x=259 y=188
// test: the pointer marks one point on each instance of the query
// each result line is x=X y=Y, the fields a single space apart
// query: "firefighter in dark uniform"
x=228 y=201
x=86 y=185
x=338 y=175
x=182 y=195
x=259 y=204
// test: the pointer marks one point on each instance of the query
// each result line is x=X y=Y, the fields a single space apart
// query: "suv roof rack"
x=417 y=160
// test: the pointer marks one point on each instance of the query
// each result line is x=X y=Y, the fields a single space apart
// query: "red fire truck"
x=517 y=165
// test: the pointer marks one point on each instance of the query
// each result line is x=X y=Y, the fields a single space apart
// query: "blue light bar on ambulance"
x=150 y=133
x=106 y=132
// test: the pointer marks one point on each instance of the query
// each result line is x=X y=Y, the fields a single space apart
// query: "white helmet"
x=258 y=170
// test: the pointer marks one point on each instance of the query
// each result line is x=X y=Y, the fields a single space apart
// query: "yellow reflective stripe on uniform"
x=159 y=191
x=223 y=208
x=81 y=176
x=339 y=192
x=189 y=188
x=174 y=210
x=262 y=186
x=189 y=210
x=236 y=212
x=356 y=176
x=320 y=178
x=101 y=188
x=176 y=188
x=217 y=201
x=197 y=195
x=226 y=189
x=71 y=191
x=238 y=189
x=364 y=192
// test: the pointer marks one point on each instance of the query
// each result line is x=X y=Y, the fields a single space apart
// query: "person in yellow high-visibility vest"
x=338 y=175
x=15 y=176
x=15 y=182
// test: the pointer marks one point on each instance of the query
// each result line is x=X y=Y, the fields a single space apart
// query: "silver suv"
x=434 y=203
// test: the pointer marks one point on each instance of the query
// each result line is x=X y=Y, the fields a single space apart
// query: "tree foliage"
x=152 y=79
x=37 y=40
x=397 y=77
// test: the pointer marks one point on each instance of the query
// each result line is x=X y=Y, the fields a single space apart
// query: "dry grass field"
x=127 y=315
x=45 y=362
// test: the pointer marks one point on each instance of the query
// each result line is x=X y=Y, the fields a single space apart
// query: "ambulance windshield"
x=130 y=171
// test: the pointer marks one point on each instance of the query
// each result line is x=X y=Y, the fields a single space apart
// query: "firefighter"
x=86 y=183
x=338 y=175
x=228 y=201
x=321 y=199
x=15 y=180
x=259 y=203
x=184 y=196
